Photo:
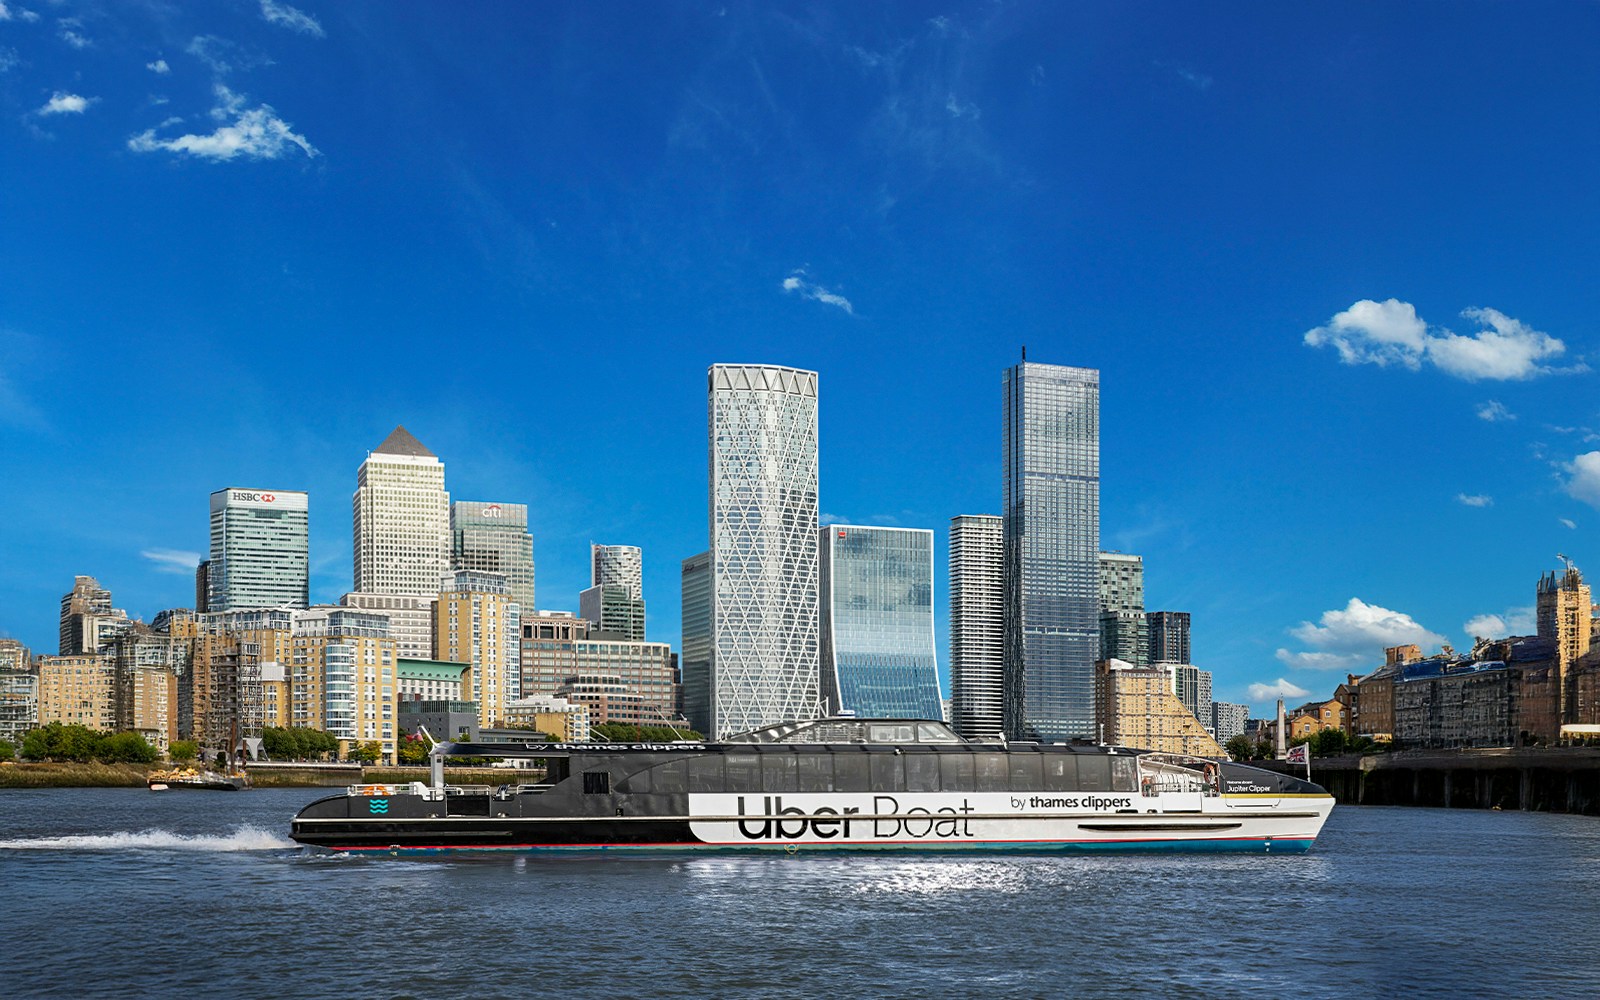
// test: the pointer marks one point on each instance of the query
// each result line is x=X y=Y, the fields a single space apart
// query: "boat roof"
x=835 y=733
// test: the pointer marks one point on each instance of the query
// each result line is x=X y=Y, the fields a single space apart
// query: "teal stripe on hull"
x=1240 y=846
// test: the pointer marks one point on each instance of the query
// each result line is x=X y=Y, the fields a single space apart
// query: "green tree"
x=1328 y=742
x=126 y=748
x=183 y=750
x=412 y=749
x=367 y=753
x=8 y=750
x=1241 y=747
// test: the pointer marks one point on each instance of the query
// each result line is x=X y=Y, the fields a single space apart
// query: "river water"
x=121 y=892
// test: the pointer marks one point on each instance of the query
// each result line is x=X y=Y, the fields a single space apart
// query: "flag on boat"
x=1300 y=754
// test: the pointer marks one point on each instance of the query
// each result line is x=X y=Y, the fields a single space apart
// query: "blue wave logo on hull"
x=379 y=806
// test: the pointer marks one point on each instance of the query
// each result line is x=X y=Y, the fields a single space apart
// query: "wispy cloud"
x=796 y=282
x=1474 y=500
x=61 y=103
x=8 y=13
x=1391 y=333
x=159 y=66
x=285 y=16
x=1516 y=621
x=1199 y=81
x=222 y=56
x=1567 y=522
x=1279 y=689
x=71 y=35
x=1494 y=411
x=176 y=561
x=255 y=133
x=1354 y=637
x=962 y=109
x=1583 y=478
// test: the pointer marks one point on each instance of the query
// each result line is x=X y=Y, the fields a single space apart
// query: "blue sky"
x=1336 y=265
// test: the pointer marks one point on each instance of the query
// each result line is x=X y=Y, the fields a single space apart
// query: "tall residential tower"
x=1050 y=472
x=977 y=626
x=763 y=513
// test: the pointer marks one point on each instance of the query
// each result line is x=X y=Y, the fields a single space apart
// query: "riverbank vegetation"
x=72 y=775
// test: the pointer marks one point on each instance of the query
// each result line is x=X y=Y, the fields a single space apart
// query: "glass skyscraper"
x=763 y=506
x=259 y=555
x=877 y=643
x=1050 y=472
x=493 y=538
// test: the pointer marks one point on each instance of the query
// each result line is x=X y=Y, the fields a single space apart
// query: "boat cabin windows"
x=1124 y=774
x=877 y=769
x=990 y=773
x=1094 y=774
x=887 y=774
x=904 y=732
x=922 y=772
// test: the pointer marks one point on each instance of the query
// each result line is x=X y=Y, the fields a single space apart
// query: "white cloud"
x=1494 y=410
x=8 y=59
x=286 y=16
x=1568 y=522
x=1475 y=500
x=172 y=560
x=1516 y=621
x=70 y=35
x=257 y=133
x=962 y=109
x=20 y=14
x=1281 y=689
x=796 y=282
x=1391 y=333
x=1583 y=482
x=1355 y=637
x=62 y=103
x=159 y=66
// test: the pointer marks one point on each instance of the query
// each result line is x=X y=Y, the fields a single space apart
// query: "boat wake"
x=244 y=838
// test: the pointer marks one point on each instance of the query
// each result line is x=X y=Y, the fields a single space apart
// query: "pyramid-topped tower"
x=401 y=519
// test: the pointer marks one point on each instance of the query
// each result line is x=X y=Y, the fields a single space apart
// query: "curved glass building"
x=877 y=640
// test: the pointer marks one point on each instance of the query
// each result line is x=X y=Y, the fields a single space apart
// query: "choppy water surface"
x=121 y=892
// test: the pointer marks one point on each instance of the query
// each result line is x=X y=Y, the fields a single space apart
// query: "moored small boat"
x=187 y=777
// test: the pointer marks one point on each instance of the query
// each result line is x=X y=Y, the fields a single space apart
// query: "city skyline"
x=1299 y=419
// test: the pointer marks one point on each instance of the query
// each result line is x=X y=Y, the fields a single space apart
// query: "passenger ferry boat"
x=833 y=784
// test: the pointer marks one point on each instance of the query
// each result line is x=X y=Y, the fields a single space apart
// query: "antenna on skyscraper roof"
x=1024 y=352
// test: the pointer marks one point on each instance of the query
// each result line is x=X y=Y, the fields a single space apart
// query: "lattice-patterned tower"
x=763 y=506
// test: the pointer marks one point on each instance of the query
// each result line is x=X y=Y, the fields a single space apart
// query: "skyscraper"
x=1193 y=688
x=493 y=538
x=617 y=564
x=877 y=643
x=614 y=601
x=696 y=642
x=1123 y=634
x=1050 y=469
x=763 y=514
x=977 y=626
x=1169 y=636
x=608 y=608
x=402 y=519
x=89 y=624
x=259 y=555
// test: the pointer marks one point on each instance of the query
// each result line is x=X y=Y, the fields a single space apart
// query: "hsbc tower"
x=258 y=550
